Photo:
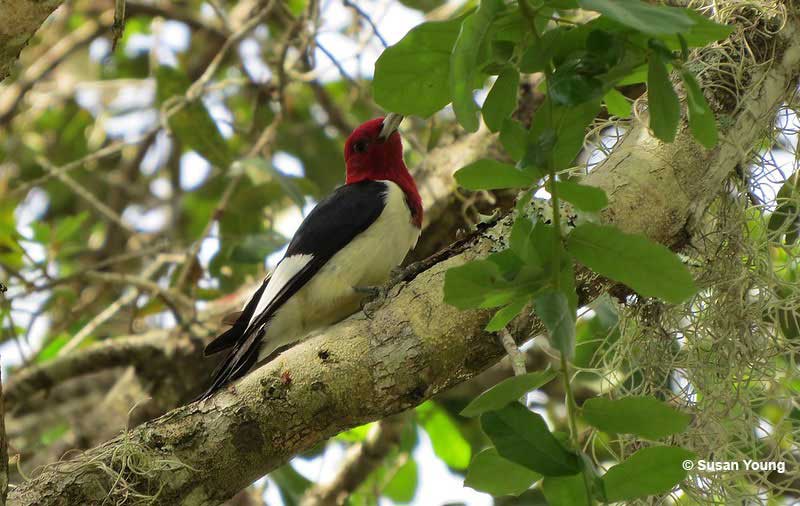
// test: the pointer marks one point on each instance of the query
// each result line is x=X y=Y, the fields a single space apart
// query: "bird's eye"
x=360 y=146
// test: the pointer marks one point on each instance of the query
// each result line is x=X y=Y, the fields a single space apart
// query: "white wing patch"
x=284 y=272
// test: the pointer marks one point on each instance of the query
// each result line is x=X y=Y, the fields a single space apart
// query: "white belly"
x=367 y=261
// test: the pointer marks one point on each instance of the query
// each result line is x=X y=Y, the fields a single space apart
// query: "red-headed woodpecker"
x=352 y=239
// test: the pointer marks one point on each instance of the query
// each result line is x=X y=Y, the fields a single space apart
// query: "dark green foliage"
x=522 y=436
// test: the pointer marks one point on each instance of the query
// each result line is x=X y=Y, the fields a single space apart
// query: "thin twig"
x=516 y=357
x=263 y=141
x=197 y=88
x=336 y=63
x=109 y=150
x=365 y=16
x=127 y=297
x=119 y=23
x=86 y=195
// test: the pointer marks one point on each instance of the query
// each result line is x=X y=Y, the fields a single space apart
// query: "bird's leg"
x=374 y=296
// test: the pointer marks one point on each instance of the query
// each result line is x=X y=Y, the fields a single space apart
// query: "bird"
x=346 y=246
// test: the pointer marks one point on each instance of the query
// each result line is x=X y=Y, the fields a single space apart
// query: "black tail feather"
x=238 y=363
x=230 y=337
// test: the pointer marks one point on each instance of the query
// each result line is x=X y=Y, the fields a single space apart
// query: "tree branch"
x=139 y=350
x=3 y=450
x=12 y=96
x=21 y=19
x=359 y=462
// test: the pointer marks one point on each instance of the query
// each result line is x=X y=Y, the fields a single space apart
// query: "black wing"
x=328 y=228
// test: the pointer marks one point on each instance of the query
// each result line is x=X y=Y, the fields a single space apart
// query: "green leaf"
x=539 y=152
x=636 y=76
x=50 y=351
x=69 y=226
x=513 y=138
x=569 y=125
x=572 y=84
x=501 y=100
x=291 y=484
x=464 y=61
x=523 y=241
x=502 y=317
x=649 y=268
x=255 y=248
x=403 y=486
x=538 y=55
x=448 y=443
x=649 y=471
x=701 y=119
x=553 y=308
x=193 y=124
x=584 y=197
x=643 y=416
x=260 y=171
x=641 y=16
x=507 y=391
x=411 y=77
x=662 y=101
x=565 y=490
x=704 y=31
x=54 y=433
x=491 y=473
x=479 y=283
x=616 y=104
x=562 y=4
x=356 y=434
x=784 y=219
x=596 y=334
x=492 y=175
x=523 y=437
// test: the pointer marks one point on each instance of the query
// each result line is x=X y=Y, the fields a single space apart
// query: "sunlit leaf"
x=565 y=490
x=639 y=15
x=411 y=77
x=584 y=197
x=649 y=471
x=617 y=104
x=448 y=443
x=501 y=100
x=507 y=391
x=643 y=416
x=491 y=473
x=403 y=486
x=647 y=267
x=492 y=175
x=464 y=61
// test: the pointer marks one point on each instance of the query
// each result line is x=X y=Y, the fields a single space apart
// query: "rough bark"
x=3 y=451
x=411 y=348
x=20 y=20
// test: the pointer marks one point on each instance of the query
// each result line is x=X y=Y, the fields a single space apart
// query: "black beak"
x=390 y=124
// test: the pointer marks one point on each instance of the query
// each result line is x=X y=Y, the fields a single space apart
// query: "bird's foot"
x=374 y=297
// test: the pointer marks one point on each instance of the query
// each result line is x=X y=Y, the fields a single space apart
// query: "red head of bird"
x=374 y=152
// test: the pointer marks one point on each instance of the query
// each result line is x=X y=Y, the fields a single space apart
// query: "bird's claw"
x=374 y=296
